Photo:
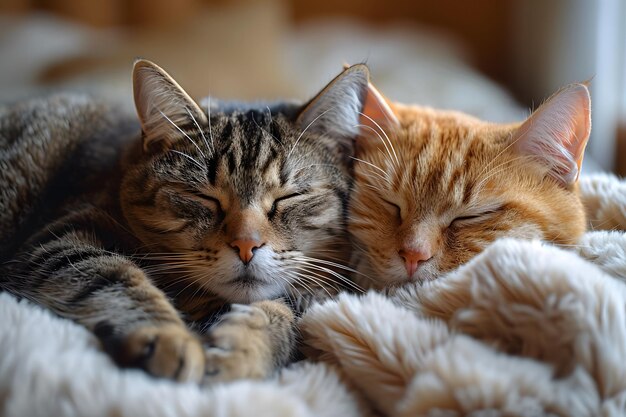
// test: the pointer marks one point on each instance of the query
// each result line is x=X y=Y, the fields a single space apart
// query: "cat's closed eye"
x=395 y=208
x=473 y=218
x=210 y=201
x=281 y=201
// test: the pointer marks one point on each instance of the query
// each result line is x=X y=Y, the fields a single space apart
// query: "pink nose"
x=412 y=258
x=246 y=248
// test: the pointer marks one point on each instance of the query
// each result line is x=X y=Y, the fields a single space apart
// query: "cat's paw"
x=169 y=351
x=239 y=346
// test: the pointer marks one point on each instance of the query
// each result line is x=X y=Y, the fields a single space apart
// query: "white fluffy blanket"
x=523 y=330
x=51 y=367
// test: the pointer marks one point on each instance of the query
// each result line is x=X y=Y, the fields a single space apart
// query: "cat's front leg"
x=250 y=341
x=73 y=276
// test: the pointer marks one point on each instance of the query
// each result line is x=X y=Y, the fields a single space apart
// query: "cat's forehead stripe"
x=254 y=154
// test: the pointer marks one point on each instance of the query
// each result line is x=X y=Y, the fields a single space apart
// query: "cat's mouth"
x=248 y=287
x=247 y=280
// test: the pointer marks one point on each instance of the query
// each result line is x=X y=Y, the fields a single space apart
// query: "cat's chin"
x=248 y=291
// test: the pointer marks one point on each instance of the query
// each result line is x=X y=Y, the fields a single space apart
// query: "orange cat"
x=434 y=188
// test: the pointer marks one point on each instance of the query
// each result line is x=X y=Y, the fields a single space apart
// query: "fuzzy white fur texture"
x=524 y=329
x=53 y=367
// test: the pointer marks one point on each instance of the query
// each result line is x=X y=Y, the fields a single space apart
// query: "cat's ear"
x=377 y=114
x=163 y=107
x=557 y=133
x=335 y=111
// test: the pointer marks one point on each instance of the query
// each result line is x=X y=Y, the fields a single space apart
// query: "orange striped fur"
x=445 y=185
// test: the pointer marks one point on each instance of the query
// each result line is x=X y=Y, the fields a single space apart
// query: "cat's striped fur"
x=433 y=188
x=206 y=210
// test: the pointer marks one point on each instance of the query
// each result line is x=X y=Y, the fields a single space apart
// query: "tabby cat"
x=433 y=188
x=206 y=209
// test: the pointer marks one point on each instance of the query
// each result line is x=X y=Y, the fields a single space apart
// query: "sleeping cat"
x=203 y=210
x=434 y=188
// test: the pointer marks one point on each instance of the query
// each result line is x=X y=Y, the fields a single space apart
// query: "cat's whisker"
x=183 y=133
x=326 y=254
x=305 y=280
x=169 y=269
x=302 y=278
x=346 y=284
x=171 y=264
x=167 y=257
x=199 y=288
x=269 y=113
x=321 y=280
x=289 y=274
x=504 y=150
x=495 y=171
x=180 y=273
x=208 y=111
x=313 y=266
x=289 y=288
x=336 y=250
x=373 y=188
x=372 y=176
x=364 y=275
x=384 y=133
x=307 y=128
x=179 y=277
x=390 y=157
x=173 y=260
x=189 y=157
x=289 y=283
x=191 y=283
x=182 y=279
x=325 y=262
x=189 y=254
x=201 y=132
x=382 y=171
x=507 y=165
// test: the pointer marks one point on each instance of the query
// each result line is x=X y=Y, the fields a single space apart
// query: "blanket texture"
x=524 y=329
x=53 y=367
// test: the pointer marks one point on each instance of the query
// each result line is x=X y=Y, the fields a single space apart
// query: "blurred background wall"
x=496 y=59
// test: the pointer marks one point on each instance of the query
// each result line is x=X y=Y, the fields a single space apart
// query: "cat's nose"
x=413 y=257
x=246 y=248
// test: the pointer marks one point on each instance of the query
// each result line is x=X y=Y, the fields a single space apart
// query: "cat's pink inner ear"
x=377 y=114
x=557 y=133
